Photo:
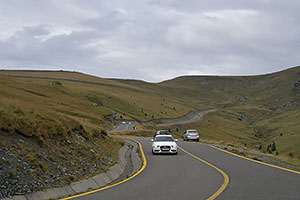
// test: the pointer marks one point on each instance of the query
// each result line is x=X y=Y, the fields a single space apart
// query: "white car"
x=124 y=123
x=164 y=144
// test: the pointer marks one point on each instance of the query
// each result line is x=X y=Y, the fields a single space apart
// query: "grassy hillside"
x=252 y=111
x=130 y=101
x=48 y=132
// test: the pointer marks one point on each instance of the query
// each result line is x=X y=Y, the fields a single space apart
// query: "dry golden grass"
x=72 y=102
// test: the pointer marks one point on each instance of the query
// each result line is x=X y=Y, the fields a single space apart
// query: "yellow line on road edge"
x=118 y=183
x=226 y=178
x=260 y=162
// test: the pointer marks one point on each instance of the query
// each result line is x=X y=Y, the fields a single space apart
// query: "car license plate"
x=165 y=149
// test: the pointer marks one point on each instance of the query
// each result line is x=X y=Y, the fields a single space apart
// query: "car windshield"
x=164 y=139
x=164 y=132
x=192 y=131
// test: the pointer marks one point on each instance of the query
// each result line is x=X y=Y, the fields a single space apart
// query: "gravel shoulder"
x=256 y=156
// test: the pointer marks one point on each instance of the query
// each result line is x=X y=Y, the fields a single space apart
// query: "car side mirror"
x=176 y=140
x=152 y=140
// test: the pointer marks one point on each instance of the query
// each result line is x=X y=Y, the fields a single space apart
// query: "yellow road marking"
x=260 y=162
x=115 y=184
x=226 y=178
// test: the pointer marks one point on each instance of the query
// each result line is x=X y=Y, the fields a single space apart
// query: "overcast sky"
x=152 y=40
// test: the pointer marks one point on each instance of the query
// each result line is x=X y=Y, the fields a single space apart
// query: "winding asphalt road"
x=124 y=127
x=184 y=177
x=168 y=122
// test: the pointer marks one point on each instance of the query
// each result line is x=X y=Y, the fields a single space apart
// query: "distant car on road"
x=123 y=123
x=191 y=135
x=164 y=144
x=162 y=132
x=129 y=123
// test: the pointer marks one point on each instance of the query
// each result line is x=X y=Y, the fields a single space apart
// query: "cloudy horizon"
x=150 y=40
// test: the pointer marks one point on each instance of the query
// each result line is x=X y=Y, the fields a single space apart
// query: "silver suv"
x=191 y=135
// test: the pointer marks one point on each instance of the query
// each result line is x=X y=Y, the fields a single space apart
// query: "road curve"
x=167 y=177
x=248 y=179
x=183 y=120
x=184 y=177
x=165 y=122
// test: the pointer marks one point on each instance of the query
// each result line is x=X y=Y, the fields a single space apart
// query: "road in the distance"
x=183 y=177
x=124 y=127
x=168 y=122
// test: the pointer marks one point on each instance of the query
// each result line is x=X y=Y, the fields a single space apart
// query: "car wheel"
x=153 y=153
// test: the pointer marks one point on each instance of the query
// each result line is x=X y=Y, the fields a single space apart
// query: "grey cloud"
x=151 y=40
x=111 y=20
x=24 y=48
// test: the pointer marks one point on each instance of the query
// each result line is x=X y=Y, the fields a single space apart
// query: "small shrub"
x=260 y=147
x=291 y=155
x=273 y=146
x=49 y=157
x=68 y=179
x=103 y=132
x=269 y=149
x=43 y=167
x=19 y=112
x=33 y=174
x=30 y=158
x=19 y=168
x=11 y=174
